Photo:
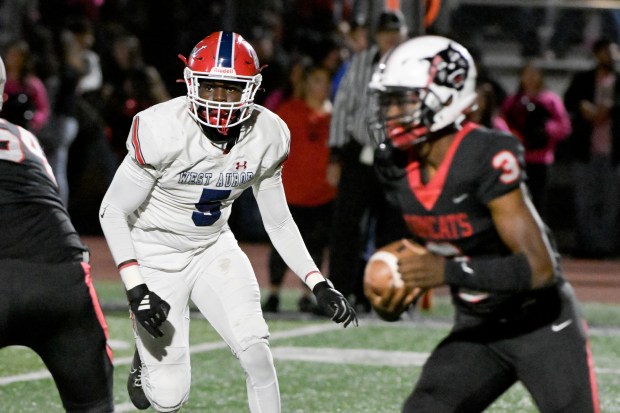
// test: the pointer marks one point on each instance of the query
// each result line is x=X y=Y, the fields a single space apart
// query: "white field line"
x=198 y=348
x=313 y=354
x=354 y=356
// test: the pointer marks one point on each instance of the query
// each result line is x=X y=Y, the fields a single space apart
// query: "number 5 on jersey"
x=209 y=206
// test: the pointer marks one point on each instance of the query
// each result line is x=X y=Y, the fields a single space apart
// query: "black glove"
x=333 y=304
x=150 y=310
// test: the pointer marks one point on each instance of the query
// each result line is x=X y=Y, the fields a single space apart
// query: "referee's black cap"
x=391 y=20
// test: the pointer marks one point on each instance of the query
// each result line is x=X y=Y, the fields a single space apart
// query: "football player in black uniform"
x=47 y=298
x=461 y=190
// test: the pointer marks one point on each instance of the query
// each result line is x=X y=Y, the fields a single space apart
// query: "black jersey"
x=449 y=214
x=35 y=225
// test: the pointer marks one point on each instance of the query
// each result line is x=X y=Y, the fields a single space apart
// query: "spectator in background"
x=593 y=102
x=355 y=40
x=490 y=92
x=271 y=55
x=92 y=77
x=360 y=202
x=131 y=86
x=74 y=84
x=537 y=116
x=293 y=88
x=327 y=52
x=26 y=101
x=62 y=127
x=93 y=162
x=324 y=50
x=308 y=193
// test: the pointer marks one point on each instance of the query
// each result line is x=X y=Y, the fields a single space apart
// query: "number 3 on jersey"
x=508 y=164
x=209 y=206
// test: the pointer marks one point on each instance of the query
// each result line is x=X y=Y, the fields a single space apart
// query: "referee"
x=362 y=218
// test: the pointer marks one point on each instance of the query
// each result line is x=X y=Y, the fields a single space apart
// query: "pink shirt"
x=558 y=127
x=33 y=87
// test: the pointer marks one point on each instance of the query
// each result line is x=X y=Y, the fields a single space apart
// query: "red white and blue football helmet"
x=433 y=73
x=228 y=57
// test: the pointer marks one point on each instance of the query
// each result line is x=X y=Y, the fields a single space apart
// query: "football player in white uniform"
x=165 y=220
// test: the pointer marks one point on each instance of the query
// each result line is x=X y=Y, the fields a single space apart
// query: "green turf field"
x=322 y=368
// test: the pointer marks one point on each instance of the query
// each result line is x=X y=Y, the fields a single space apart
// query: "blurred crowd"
x=79 y=70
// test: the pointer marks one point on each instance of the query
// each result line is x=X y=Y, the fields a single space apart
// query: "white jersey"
x=172 y=195
x=196 y=183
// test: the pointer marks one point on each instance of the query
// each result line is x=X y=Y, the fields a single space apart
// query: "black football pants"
x=52 y=309
x=471 y=368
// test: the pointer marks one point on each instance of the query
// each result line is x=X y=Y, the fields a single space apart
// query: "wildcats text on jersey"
x=224 y=179
x=440 y=227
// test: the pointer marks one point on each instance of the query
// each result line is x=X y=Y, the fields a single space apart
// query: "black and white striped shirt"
x=352 y=102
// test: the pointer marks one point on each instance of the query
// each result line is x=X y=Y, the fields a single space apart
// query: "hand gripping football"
x=383 y=285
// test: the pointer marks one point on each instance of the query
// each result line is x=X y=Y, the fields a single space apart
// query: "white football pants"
x=222 y=284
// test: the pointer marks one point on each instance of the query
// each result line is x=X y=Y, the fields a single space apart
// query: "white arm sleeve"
x=283 y=231
x=128 y=190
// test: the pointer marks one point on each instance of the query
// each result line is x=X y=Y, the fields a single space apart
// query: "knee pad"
x=257 y=362
x=167 y=388
x=162 y=403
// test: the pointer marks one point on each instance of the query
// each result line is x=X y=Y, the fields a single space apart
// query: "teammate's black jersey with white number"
x=448 y=213
x=35 y=225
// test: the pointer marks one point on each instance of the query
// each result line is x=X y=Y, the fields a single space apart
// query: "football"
x=381 y=275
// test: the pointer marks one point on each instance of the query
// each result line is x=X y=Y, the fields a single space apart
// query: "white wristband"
x=131 y=276
x=313 y=278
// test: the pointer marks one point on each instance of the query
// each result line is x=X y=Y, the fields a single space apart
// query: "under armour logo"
x=243 y=165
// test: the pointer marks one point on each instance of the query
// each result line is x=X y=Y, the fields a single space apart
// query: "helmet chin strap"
x=411 y=137
x=407 y=137
x=223 y=130
x=216 y=137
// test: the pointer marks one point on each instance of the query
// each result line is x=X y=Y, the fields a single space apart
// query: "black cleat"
x=272 y=304
x=134 y=384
